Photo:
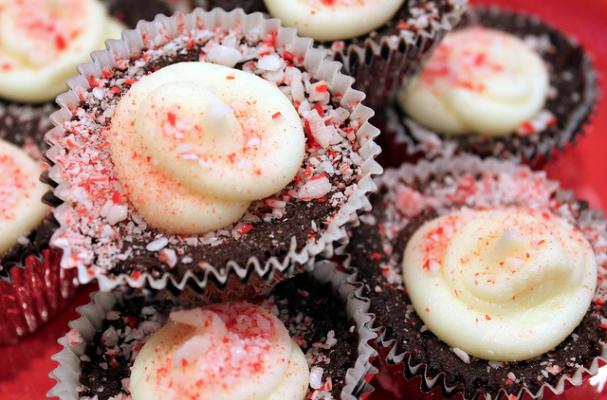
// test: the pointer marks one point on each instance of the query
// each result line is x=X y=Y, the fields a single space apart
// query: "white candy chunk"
x=21 y=207
x=270 y=63
x=227 y=56
x=478 y=81
x=334 y=19
x=315 y=188
x=508 y=284
x=42 y=42
x=240 y=351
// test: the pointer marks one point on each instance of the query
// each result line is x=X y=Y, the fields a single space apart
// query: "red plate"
x=24 y=367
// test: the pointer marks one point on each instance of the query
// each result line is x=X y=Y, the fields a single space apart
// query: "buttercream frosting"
x=195 y=143
x=479 y=81
x=334 y=19
x=42 y=42
x=500 y=284
x=228 y=351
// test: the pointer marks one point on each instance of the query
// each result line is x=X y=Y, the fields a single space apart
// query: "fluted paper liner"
x=422 y=172
x=67 y=374
x=164 y=29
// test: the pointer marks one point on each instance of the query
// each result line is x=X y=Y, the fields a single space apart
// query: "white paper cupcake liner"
x=164 y=29
x=426 y=170
x=92 y=315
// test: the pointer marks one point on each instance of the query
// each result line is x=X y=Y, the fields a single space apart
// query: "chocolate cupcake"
x=380 y=43
x=307 y=339
x=32 y=285
x=503 y=84
x=485 y=278
x=285 y=161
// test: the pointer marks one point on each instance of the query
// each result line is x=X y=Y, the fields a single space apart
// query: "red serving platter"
x=24 y=367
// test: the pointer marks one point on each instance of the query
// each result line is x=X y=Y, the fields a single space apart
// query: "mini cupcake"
x=504 y=85
x=204 y=145
x=32 y=285
x=485 y=278
x=307 y=340
x=380 y=43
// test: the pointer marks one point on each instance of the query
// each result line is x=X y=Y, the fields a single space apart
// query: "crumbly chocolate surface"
x=271 y=226
x=129 y=12
x=36 y=242
x=571 y=100
x=315 y=318
x=378 y=245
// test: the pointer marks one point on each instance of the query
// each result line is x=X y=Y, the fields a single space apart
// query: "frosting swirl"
x=227 y=351
x=479 y=81
x=21 y=207
x=42 y=41
x=195 y=143
x=334 y=19
x=500 y=284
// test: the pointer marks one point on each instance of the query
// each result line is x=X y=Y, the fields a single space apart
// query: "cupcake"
x=32 y=285
x=503 y=84
x=485 y=279
x=307 y=339
x=380 y=43
x=205 y=146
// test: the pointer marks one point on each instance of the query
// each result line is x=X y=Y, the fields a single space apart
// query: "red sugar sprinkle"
x=322 y=88
x=245 y=229
x=276 y=115
x=172 y=118
x=488 y=317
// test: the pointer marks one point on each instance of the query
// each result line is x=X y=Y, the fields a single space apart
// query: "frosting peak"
x=227 y=351
x=207 y=135
x=42 y=41
x=501 y=284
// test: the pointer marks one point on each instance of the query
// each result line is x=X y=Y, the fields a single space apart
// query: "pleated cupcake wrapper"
x=382 y=65
x=92 y=315
x=424 y=171
x=33 y=293
x=407 y=140
x=164 y=29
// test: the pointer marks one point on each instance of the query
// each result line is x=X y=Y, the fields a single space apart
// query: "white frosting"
x=195 y=143
x=233 y=351
x=21 y=207
x=334 y=19
x=478 y=81
x=502 y=285
x=42 y=41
